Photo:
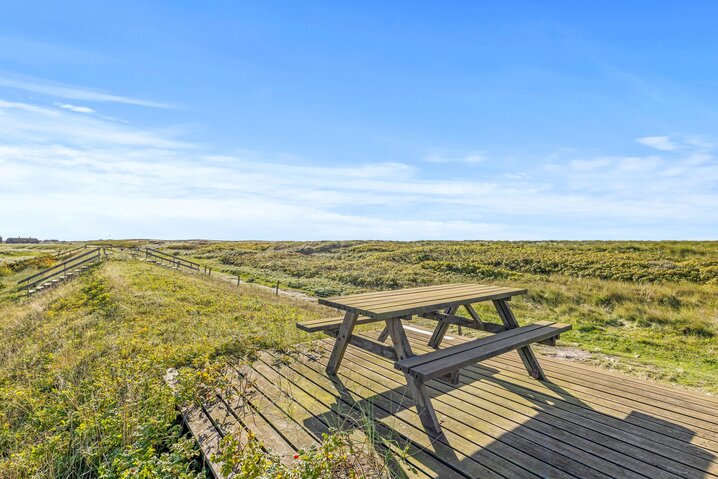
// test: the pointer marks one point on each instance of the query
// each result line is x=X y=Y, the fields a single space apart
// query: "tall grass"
x=652 y=306
x=81 y=369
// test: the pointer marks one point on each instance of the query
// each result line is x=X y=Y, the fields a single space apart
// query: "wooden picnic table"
x=439 y=303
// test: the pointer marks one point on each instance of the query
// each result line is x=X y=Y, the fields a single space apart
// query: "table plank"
x=397 y=291
x=398 y=302
x=408 y=297
x=389 y=304
x=384 y=296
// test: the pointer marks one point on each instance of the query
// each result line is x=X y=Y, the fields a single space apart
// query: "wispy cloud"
x=644 y=164
x=661 y=143
x=80 y=176
x=592 y=164
x=467 y=159
x=75 y=108
x=73 y=92
x=30 y=124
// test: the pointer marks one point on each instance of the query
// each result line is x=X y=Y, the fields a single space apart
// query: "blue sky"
x=339 y=120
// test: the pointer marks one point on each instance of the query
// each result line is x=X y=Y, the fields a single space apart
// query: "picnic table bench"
x=439 y=303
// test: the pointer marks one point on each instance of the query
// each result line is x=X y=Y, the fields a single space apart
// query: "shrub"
x=670 y=301
x=610 y=299
x=337 y=456
x=698 y=329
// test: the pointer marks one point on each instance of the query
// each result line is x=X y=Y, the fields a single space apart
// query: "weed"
x=81 y=369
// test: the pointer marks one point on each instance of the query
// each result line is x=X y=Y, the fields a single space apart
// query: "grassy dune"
x=81 y=366
x=81 y=389
x=19 y=261
x=651 y=306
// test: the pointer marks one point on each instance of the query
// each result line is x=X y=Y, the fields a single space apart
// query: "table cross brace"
x=441 y=329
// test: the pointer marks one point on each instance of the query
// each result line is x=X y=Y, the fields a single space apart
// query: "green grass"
x=17 y=261
x=81 y=388
x=652 y=306
x=81 y=366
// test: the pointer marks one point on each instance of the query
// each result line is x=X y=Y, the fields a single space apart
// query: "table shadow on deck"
x=582 y=422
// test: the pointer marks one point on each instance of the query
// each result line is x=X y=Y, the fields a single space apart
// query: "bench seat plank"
x=444 y=361
x=329 y=324
x=452 y=350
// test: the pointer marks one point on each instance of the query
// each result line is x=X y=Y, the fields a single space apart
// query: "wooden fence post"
x=238 y=280
x=276 y=289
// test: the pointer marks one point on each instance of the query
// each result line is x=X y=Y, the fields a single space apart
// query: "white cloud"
x=32 y=124
x=696 y=159
x=593 y=164
x=467 y=159
x=73 y=92
x=639 y=164
x=661 y=143
x=80 y=176
x=26 y=107
x=699 y=142
x=75 y=108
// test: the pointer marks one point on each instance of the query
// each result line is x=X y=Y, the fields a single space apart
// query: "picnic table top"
x=405 y=302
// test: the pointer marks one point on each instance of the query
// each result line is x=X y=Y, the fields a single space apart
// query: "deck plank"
x=207 y=436
x=680 y=410
x=661 y=413
x=584 y=422
x=617 y=380
x=247 y=416
x=508 y=371
x=381 y=411
x=309 y=401
x=294 y=435
x=590 y=442
x=612 y=429
x=583 y=389
x=467 y=404
x=530 y=455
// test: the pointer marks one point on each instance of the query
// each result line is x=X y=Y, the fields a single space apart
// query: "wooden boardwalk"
x=583 y=422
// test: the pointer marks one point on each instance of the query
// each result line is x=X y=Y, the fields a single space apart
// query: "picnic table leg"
x=399 y=339
x=441 y=329
x=417 y=389
x=383 y=335
x=340 y=346
x=427 y=415
x=527 y=355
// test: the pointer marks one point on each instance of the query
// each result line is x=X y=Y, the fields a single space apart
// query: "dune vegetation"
x=646 y=307
x=81 y=366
